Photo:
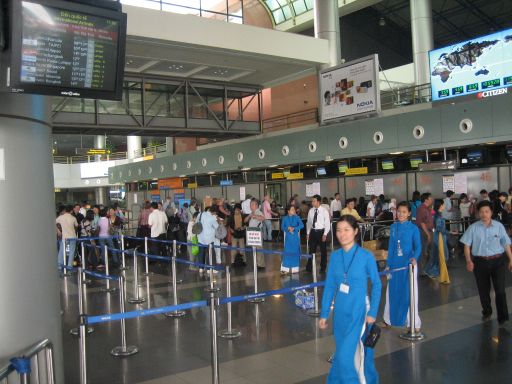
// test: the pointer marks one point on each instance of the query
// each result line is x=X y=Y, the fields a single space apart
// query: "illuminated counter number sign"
x=490 y=83
x=472 y=87
x=457 y=90
x=507 y=80
x=444 y=93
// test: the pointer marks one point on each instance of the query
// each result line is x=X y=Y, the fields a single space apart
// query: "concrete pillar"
x=134 y=146
x=100 y=193
x=327 y=26
x=29 y=280
x=169 y=144
x=422 y=38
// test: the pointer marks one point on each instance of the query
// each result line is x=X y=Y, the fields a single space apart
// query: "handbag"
x=195 y=248
x=372 y=335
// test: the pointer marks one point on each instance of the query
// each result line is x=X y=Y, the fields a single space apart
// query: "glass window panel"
x=309 y=4
x=214 y=5
x=235 y=19
x=186 y=3
x=287 y=12
x=273 y=4
x=143 y=3
x=235 y=7
x=215 y=16
x=299 y=7
x=278 y=16
x=180 y=9
x=282 y=3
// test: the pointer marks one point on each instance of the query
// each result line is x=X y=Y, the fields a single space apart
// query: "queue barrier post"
x=83 y=332
x=65 y=251
x=146 y=251
x=123 y=350
x=82 y=261
x=173 y=271
x=175 y=314
x=213 y=302
x=255 y=300
x=412 y=334
x=212 y=287
x=314 y=312
x=124 y=267
x=81 y=309
x=136 y=299
x=229 y=333
x=108 y=288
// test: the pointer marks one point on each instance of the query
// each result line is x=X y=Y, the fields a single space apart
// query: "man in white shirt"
x=246 y=205
x=318 y=227
x=157 y=221
x=66 y=229
x=370 y=208
x=336 y=206
x=255 y=220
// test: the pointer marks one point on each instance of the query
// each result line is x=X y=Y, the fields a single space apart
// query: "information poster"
x=242 y=193
x=350 y=89
x=368 y=188
x=378 y=187
x=254 y=237
x=481 y=66
x=461 y=183
x=312 y=189
x=448 y=183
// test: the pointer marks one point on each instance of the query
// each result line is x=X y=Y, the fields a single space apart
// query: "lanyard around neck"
x=345 y=272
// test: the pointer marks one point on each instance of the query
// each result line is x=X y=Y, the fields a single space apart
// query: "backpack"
x=195 y=248
x=221 y=232
x=197 y=228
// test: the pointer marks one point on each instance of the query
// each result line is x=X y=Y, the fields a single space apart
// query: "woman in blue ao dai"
x=347 y=284
x=291 y=226
x=404 y=249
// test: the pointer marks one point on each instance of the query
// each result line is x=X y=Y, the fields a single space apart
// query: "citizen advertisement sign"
x=350 y=89
x=494 y=92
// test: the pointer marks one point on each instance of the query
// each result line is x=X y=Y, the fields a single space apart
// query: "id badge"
x=344 y=288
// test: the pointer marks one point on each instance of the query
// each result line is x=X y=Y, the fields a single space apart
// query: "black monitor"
x=475 y=157
x=416 y=161
x=387 y=165
x=508 y=151
x=64 y=48
x=320 y=171
x=342 y=167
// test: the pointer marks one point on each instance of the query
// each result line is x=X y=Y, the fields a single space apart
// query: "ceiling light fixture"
x=396 y=153
x=382 y=22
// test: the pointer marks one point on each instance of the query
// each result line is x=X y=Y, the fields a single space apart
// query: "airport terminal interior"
x=256 y=191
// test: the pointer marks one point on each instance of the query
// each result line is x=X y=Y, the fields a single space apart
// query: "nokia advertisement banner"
x=480 y=67
x=350 y=89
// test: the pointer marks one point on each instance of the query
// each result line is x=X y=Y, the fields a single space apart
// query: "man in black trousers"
x=485 y=244
x=318 y=227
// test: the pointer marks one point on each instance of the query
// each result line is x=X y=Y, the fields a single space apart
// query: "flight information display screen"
x=68 y=49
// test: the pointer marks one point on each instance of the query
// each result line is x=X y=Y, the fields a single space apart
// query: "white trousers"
x=417 y=317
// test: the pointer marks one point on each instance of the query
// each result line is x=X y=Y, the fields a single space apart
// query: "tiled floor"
x=279 y=343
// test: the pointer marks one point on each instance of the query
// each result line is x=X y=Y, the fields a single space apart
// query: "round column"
x=29 y=277
x=422 y=38
x=327 y=26
x=134 y=146
x=100 y=193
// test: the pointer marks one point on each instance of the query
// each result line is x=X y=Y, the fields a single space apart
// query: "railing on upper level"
x=33 y=365
x=78 y=159
x=296 y=119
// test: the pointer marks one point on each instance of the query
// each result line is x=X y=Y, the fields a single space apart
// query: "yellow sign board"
x=98 y=151
x=295 y=176
x=192 y=185
x=356 y=171
x=277 y=175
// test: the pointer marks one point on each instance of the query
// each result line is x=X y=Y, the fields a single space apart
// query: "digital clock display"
x=491 y=83
x=444 y=93
x=472 y=87
x=457 y=90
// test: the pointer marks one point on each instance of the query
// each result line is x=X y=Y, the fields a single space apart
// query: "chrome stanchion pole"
x=411 y=334
x=315 y=312
x=174 y=291
x=108 y=288
x=123 y=350
x=332 y=238
x=255 y=300
x=82 y=351
x=136 y=299
x=81 y=309
x=173 y=271
x=214 y=302
x=229 y=333
x=212 y=287
x=146 y=272
x=85 y=280
x=124 y=267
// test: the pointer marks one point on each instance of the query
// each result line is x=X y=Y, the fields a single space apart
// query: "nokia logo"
x=494 y=92
x=364 y=104
x=69 y=93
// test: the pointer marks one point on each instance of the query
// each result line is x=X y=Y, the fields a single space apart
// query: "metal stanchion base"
x=76 y=331
x=417 y=336
x=126 y=268
x=179 y=281
x=175 y=314
x=69 y=273
x=226 y=334
x=257 y=300
x=146 y=273
x=313 y=313
x=109 y=290
x=136 y=300
x=120 y=351
x=214 y=289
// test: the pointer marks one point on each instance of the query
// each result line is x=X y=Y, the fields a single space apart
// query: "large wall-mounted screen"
x=350 y=89
x=67 y=49
x=481 y=65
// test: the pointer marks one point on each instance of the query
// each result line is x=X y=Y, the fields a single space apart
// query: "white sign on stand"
x=242 y=193
x=461 y=183
x=448 y=183
x=254 y=237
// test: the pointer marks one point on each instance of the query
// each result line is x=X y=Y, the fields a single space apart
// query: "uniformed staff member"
x=485 y=244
